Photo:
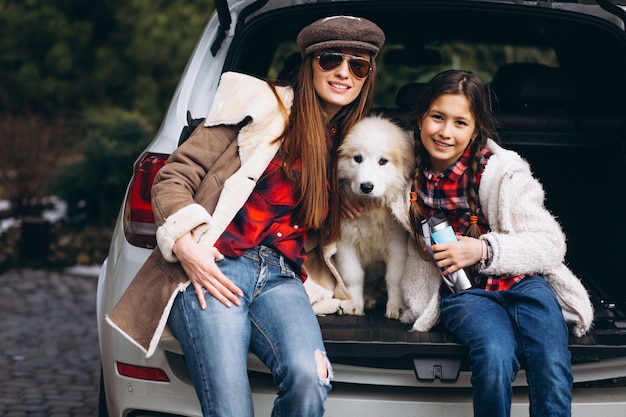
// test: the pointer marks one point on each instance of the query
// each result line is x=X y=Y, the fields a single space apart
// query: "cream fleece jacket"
x=525 y=237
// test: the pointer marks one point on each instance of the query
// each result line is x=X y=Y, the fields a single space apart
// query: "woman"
x=234 y=204
x=515 y=314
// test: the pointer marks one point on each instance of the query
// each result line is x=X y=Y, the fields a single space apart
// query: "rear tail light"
x=139 y=225
x=142 y=372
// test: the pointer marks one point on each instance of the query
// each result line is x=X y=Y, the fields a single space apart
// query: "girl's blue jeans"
x=275 y=321
x=506 y=330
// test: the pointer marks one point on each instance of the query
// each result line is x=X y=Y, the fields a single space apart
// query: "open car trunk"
x=568 y=119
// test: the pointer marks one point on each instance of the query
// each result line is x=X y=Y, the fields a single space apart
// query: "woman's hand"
x=351 y=209
x=199 y=264
x=453 y=256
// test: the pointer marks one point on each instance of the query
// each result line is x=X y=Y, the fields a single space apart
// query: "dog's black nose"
x=367 y=187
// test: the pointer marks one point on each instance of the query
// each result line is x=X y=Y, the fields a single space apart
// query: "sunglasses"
x=360 y=67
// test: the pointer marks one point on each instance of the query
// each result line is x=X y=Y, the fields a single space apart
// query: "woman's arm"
x=176 y=184
x=187 y=188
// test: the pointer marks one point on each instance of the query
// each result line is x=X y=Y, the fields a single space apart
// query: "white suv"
x=557 y=69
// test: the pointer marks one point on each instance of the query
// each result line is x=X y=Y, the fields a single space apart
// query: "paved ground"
x=49 y=358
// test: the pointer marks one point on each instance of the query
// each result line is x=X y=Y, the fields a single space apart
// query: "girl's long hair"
x=479 y=96
x=305 y=139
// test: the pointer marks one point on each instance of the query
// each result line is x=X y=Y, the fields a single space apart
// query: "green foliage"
x=72 y=54
x=87 y=70
x=148 y=49
x=47 y=48
x=94 y=185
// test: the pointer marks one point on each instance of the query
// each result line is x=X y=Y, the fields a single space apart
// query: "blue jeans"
x=275 y=321
x=505 y=330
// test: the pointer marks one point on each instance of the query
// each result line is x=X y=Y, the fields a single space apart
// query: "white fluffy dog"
x=375 y=164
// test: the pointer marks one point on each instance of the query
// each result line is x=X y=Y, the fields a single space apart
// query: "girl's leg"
x=543 y=346
x=215 y=342
x=287 y=338
x=482 y=324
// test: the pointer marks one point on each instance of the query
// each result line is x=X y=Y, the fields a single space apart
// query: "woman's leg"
x=543 y=346
x=216 y=341
x=287 y=338
x=482 y=324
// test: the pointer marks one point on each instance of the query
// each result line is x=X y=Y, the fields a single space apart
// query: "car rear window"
x=399 y=65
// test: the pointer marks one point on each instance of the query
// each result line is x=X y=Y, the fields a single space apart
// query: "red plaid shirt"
x=446 y=192
x=267 y=218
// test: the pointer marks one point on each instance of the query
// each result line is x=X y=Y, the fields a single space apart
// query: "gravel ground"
x=49 y=357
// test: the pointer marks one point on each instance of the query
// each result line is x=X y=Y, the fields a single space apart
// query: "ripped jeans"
x=275 y=321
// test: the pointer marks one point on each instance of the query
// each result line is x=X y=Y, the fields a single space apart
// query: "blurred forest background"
x=83 y=88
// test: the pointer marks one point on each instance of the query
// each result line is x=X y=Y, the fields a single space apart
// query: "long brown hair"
x=479 y=97
x=305 y=139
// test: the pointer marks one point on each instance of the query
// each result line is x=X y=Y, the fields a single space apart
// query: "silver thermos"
x=441 y=232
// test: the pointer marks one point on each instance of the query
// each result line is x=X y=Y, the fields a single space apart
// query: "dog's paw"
x=348 y=307
x=407 y=316
x=328 y=306
x=394 y=311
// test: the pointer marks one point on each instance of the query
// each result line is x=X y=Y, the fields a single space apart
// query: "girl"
x=512 y=246
x=234 y=204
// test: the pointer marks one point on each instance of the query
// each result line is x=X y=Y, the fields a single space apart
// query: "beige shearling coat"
x=216 y=171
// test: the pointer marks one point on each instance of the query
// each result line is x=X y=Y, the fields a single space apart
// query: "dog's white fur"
x=375 y=164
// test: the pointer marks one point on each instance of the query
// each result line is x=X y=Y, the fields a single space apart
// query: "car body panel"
x=359 y=390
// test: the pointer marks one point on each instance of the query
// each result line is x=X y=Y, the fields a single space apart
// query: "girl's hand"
x=351 y=209
x=199 y=264
x=456 y=255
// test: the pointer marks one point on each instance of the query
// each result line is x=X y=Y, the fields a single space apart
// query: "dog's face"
x=375 y=159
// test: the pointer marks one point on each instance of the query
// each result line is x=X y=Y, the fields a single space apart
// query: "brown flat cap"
x=340 y=32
